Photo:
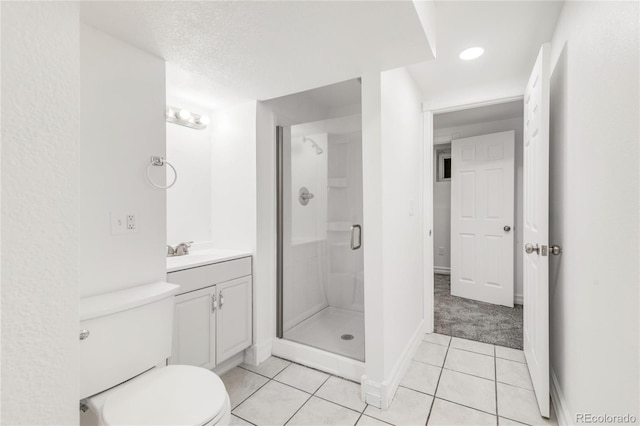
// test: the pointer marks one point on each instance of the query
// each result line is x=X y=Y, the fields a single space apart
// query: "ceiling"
x=511 y=33
x=223 y=51
x=484 y=114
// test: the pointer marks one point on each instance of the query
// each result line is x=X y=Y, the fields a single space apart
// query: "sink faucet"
x=183 y=248
x=179 y=250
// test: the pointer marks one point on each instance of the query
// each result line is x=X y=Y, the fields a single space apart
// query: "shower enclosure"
x=320 y=235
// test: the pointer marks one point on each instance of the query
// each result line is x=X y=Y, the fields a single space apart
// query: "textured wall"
x=40 y=72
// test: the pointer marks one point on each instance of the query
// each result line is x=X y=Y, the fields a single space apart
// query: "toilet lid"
x=173 y=395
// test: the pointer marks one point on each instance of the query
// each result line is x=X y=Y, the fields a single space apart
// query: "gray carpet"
x=470 y=319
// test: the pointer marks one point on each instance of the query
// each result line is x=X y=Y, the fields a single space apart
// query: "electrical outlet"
x=132 y=224
x=123 y=223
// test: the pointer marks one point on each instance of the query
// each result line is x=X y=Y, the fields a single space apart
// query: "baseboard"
x=518 y=299
x=559 y=403
x=381 y=394
x=229 y=364
x=255 y=354
x=442 y=270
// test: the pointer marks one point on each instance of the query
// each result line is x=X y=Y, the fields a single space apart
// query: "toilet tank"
x=125 y=333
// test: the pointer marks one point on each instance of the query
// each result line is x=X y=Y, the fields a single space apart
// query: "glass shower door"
x=322 y=285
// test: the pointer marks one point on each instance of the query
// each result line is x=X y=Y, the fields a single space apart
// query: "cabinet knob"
x=221 y=300
x=84 y=333
x=213 y=302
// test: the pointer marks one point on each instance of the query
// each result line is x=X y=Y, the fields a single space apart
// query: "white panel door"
x=234 y=317
x=194 y=329
x=536 y=228
x=482 y=218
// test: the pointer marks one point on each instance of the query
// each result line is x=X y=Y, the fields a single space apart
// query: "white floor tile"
x=272 y=405
x=513 y=373
x=438 y=339
x=448 y=413
x=520 y=405
x=509 y=353
x=241 y=383
x=472 y=346
x=342 y=392
x=421 y=377
x=237 y=421
x=464 y=389
x=430 y=353
x=269 y=367
x=303 y=378
x=370 y=421
x=320 y=412
x=408 y=408
x=470 y=363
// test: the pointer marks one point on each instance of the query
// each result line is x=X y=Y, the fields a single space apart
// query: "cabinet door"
x=234 y=317
x=194 y=329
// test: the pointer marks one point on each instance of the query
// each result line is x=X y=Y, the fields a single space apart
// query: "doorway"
x=477 y=217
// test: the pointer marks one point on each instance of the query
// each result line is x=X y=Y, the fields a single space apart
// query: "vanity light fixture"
x=471 y=53
x=184 y=117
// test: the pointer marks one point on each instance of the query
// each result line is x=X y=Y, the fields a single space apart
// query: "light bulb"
x=471 y=53
x=204 y=120
x=184 y=114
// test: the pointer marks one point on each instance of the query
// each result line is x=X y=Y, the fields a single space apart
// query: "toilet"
x=125 y=340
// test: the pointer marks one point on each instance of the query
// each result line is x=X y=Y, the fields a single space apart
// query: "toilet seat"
x=172 y=395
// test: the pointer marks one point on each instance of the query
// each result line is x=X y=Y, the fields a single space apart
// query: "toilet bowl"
x=125 y=341
x=173 y=395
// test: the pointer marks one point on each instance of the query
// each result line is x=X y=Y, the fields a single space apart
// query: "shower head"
x=319 y=150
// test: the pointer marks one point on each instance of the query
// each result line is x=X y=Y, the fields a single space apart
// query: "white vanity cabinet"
x=212 y=319
x=194 y=328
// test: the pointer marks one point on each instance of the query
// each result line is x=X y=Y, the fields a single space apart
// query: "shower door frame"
x=279 y=231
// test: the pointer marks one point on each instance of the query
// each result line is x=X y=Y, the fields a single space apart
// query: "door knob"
x=507 y=228
x=555 y=249
x=529 y=248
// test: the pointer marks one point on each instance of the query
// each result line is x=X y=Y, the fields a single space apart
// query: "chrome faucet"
x=183 y=248
x=179 y=250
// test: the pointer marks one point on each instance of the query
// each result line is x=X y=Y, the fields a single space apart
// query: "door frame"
x=429 y=111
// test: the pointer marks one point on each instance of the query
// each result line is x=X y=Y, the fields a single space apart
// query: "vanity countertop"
x=202 y=257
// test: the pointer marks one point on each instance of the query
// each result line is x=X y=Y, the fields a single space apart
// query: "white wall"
x=40 y=197
x=442 y=193
x=189 y=200
x=264 y=272
x=233 y=174
x=594 y=207
x=393 y=229
x=402 y=139
x=122 y=125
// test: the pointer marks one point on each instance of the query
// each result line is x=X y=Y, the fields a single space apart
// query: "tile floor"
x=451 y=381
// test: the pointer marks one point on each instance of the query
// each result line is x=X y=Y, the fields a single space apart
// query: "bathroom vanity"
x=213 y=318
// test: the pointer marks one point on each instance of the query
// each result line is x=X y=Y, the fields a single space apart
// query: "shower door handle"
x=353 y=237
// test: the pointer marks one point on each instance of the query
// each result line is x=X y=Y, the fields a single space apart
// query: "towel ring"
x=159 y=162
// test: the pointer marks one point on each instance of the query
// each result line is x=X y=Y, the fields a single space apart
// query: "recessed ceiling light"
x=471 y=53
